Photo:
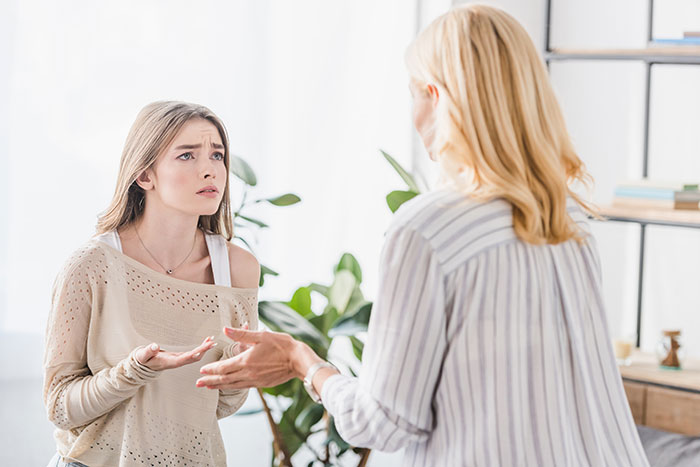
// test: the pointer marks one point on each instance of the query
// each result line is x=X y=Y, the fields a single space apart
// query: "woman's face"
x=190 y=175
x=425 y=100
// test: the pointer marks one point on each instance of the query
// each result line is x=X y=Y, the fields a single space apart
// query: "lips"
x=208 y=189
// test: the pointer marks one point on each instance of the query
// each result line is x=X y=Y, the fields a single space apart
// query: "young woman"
x=488 y=342
x=140 y=307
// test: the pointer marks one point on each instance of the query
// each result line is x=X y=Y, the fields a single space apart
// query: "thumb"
x=147 y=353
x=243 y=336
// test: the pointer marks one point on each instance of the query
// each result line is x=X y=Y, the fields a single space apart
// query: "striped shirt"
x=484 y=350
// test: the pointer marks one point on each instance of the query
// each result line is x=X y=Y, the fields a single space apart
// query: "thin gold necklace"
x=172 y=270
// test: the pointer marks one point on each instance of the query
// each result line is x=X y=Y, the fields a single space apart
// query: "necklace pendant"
x=169 y=271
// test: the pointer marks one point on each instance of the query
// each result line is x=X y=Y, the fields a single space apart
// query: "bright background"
x=309 y=91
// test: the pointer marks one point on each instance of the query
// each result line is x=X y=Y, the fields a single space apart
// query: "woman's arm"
x=390 y=404
x=73 y=396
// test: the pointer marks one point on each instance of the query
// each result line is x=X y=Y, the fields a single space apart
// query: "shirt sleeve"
x=390 y=404
x=230 y=400
x=73 y=396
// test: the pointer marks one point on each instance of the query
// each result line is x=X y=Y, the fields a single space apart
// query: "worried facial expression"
x=189 y=176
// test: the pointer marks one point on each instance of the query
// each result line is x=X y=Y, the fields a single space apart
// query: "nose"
x=206 y=170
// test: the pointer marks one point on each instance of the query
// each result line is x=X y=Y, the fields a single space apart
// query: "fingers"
x=198 y=352
x=229 y=381
x=243 y=347
x=243 y=335
x=228 y=366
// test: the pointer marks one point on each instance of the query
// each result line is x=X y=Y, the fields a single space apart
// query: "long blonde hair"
x=499 y=131
x=154 y=129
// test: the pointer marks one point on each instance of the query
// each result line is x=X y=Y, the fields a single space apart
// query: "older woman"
x=488 y=343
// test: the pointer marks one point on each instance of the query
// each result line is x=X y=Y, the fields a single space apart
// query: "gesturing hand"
x=155 y=358
x=269 y=359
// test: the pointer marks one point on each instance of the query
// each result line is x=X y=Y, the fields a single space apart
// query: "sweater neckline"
x=166 y=278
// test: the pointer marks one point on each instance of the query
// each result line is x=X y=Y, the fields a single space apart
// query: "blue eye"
x=185 y=157
x=218 y=156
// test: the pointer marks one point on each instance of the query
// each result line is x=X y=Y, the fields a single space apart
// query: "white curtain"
x=309 y=91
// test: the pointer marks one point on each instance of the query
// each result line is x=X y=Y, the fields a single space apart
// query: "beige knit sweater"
x=110 y=410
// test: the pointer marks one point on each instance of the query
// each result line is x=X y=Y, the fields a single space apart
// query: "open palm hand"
x=156 y=358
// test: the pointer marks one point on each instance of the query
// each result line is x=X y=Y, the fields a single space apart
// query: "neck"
x=167 y=234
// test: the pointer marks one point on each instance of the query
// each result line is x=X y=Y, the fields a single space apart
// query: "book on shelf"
x=678 y=185
x=687 y=34
x=650 y=194
x=683 y=41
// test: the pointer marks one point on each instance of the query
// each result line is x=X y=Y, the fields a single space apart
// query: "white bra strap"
x=219 y=259
x=111 y=238
x=117 y=241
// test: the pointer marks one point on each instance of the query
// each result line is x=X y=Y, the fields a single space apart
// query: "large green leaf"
x=322 y=289
x=356 y=301
x=288 y=389
x=352 y=324
x=301 y=301
x=357 y=347
x=340 y=292
x=291 y=435
x=334 y=436
x=242 y=170
x=396 y=198
x=310 y=416
x=349 y=263
x=325 y=320
x=403 y=173
x=264 y=270
x=280 y=317
x=283 y=200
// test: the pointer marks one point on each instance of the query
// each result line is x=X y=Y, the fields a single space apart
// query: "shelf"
x=681 y=55
x=667 y=217
x=645 y=368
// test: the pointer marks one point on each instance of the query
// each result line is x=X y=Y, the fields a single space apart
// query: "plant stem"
x=240 y=208
x=280 y=449
x=328 y=430
x=364 y=458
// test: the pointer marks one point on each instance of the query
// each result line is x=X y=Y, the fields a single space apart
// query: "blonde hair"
x=154 y=129
x=499 y=131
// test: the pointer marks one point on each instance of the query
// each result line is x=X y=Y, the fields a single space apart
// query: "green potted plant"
x=342 y=313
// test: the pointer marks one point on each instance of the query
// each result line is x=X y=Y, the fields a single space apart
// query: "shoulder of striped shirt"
x=458 y=228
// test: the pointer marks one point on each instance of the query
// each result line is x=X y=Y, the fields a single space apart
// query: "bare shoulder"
x=245 y=269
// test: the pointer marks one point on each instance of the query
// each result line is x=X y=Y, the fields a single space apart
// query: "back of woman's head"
x=498 y=130
x=156 y=126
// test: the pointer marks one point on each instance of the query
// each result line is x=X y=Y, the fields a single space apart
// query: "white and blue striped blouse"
x=484 y=350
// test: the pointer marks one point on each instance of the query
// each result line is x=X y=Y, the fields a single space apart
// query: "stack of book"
x=649 y=194
x=689 y=38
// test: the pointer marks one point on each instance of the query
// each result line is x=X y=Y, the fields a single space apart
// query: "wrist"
x=302 y=358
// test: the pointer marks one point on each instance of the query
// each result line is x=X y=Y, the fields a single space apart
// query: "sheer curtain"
x=309 y=91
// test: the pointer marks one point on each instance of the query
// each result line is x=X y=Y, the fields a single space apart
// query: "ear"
x=434 y=94
x=145 y=180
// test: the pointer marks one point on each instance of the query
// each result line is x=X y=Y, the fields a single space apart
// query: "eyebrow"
x=197 y=146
